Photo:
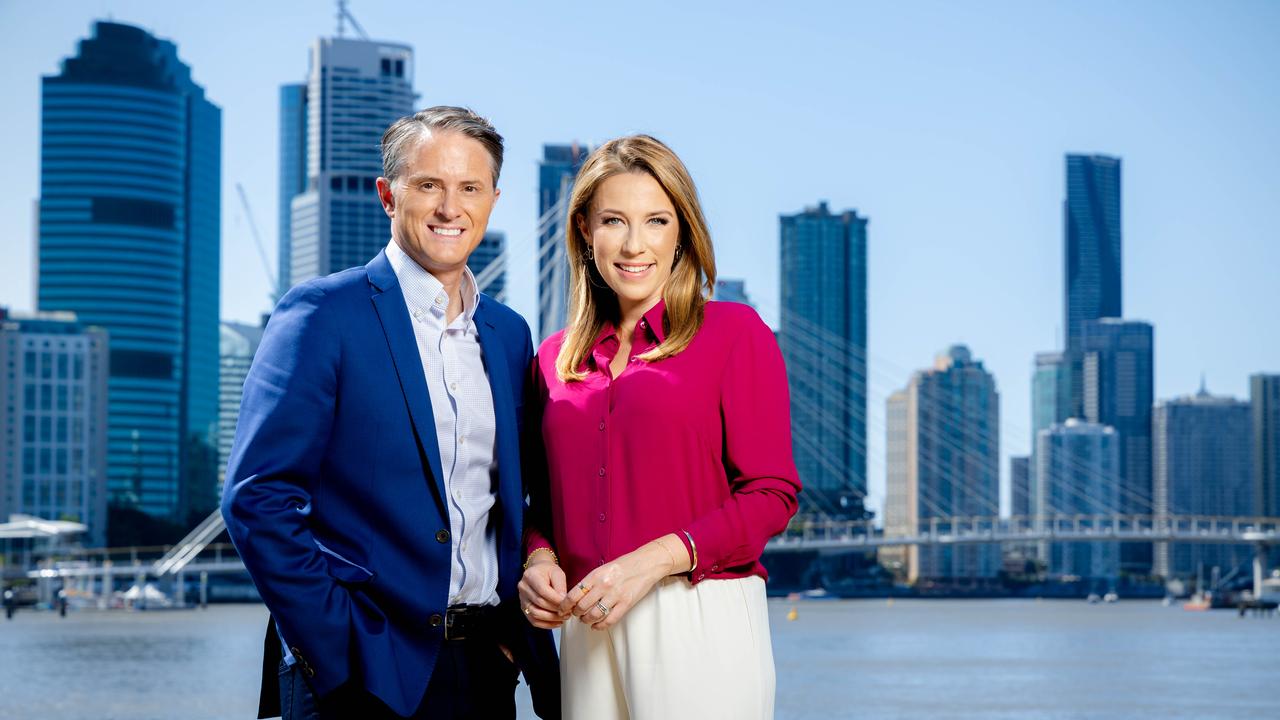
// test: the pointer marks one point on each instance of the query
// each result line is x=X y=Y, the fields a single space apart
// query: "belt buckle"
x=451 y=622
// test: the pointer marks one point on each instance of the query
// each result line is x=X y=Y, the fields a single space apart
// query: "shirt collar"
x=422 y=291
x=652 y=321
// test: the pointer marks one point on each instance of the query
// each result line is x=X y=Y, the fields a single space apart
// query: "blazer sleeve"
x=286 y=416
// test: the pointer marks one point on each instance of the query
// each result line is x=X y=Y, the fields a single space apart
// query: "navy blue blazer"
x=334 y=495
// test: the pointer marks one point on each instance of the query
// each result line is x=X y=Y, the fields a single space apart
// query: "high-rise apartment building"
x=488 y=262
x=53 y=420
x=1203 y=465
x=823 y=336
x=556 y=172
x=1079 y=475
x=1092 y=267
x=1118 y=372
x=943 y=457
x=355 y=89
x=237 y=346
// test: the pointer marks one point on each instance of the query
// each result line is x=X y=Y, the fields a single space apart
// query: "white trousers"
x=684 y=651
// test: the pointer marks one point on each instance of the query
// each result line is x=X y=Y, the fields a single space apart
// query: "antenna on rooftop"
x=344 y=16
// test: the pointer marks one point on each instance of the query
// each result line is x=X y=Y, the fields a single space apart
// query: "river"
x=837 y=659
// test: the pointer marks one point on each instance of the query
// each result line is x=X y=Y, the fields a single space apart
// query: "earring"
x=679 y=252
x=589 y=255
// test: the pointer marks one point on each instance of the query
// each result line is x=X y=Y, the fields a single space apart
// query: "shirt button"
x=453 y=387
x=442 y=536
x=601 y=472
x=601 y=424
x=644 y=323
x=463 y=548
x=462 y=440
x=602 y=517
x=417 y=314
x=439 y=300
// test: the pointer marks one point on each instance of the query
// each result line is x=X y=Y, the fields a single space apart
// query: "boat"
x=1199 y=602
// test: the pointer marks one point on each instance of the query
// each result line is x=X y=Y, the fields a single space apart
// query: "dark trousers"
x=472 y=679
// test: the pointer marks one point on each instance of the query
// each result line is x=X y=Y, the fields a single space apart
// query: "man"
x=374 y=490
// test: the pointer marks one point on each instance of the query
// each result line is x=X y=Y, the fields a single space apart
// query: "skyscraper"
x=1050 y=399
x=900 y=498
x=1020 y=485
x=1264 y=397
x=355 y=89
x=1092 y=254
x=1079 y=474
x=951 y=447
x=823 y=336
x=556 y=172
x=238 y=343
x=1203 y=465
x=293 y=173
x=492 y=249
x=130 y=200
x=732 y=290
x=1118 y=390
x=53 y=420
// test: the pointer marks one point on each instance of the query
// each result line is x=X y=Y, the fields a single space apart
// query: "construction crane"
x=274 y=291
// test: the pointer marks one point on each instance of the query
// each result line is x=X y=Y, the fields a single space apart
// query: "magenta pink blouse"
x=697 y=443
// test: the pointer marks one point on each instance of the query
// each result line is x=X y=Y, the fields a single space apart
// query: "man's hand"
x=542 y=591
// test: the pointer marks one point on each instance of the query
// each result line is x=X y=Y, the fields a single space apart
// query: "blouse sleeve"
x=763 y=480
x=537 y=514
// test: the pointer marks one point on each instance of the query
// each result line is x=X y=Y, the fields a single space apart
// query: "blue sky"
x=944 y=123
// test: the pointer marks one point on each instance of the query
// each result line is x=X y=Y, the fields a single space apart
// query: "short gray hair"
x=404 y=133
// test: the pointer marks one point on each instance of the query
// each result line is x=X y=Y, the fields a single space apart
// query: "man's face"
x=439 y=205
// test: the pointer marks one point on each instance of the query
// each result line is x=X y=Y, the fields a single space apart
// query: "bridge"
x=197 y=555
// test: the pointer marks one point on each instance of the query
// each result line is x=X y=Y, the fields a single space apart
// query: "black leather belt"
x=470 y=621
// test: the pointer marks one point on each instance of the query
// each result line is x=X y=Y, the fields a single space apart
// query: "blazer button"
x=436 y=620
x=442 y=536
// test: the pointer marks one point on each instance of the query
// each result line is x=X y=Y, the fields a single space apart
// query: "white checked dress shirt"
x=462 y=403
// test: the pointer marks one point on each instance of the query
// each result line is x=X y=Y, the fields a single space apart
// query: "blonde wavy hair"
x=591 y=302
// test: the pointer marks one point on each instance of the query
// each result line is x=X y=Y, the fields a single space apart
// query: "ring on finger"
x=604 y=611
x=528 y=609
x=585 y=588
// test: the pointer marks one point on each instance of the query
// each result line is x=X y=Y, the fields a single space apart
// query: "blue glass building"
x=130 y=201
x=1092 y=280
x=491 y=250
x=1202 y=465
x=732 y=290
x=293 y=171
x=823 y=336
x=1118 y=368
x=559 y=166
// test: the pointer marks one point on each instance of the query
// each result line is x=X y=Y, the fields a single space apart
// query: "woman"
x=668 y=451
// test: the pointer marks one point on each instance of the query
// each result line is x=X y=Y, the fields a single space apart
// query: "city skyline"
x=967 y=235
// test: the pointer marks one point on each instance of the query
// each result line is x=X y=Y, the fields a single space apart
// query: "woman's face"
x=633 y=232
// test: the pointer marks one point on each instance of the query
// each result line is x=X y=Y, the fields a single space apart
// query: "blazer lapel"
x=507 y=440
x=389 y=304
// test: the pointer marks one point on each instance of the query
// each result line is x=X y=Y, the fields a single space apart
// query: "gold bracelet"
x=544 y=548
x=670 y=554
x=694 y=547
